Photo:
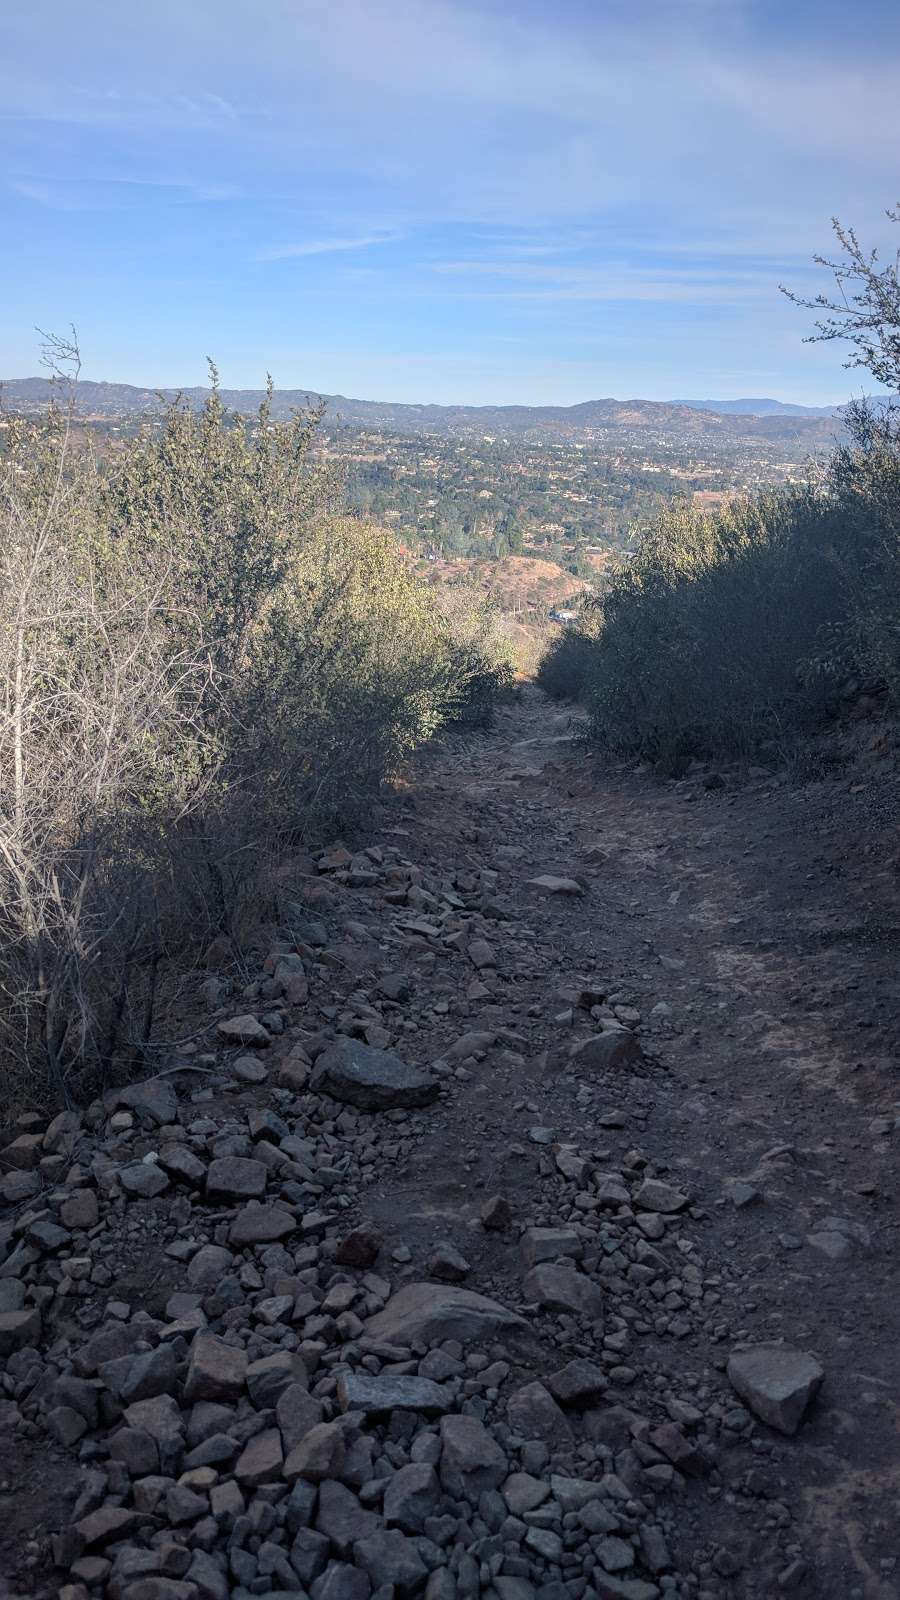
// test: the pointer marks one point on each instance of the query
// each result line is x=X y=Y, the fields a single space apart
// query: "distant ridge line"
x=763 y=418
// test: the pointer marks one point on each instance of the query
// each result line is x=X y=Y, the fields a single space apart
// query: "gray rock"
x=268 y=1378
x=390 y=1557
x=341 y=1517
x=216 y=1370
x=244 y=1030
x=377 y=1396
x=182 y=1165
x=102 y=1526
x=296 y=1412
x=144 y=1179
x=777 y=1383
x=533 y=1413
x=471 y=1459
x=235 y=1178
x=47 y=1236
x=152 y=1373
x=319 y=1455
x=412 y=1495
x=654 y=1195
x=261 y=1460
x=259 y=1224
x=523 y=1492
x=209 y=1266
x=340 y=1581
x=447 y=1264
x=469 y=1044
x=154 y=1101
x=559 y=1286
x=371 y=1080
x=549 y=1244
x=80 y=1210
x=579 y=1384
x=18 y=1329
x=431 y=1311
x=545 y=1543
x=614 y=1047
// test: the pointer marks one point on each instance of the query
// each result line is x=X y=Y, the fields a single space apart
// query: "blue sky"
x=441 y=201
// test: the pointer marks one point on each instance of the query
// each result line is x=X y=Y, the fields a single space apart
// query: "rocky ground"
x=519 y=1221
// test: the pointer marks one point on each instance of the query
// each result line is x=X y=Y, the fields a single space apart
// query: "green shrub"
x=728 y=634
x=567 y=662
x=705 y=632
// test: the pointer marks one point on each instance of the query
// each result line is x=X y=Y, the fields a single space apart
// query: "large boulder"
x=371 y=1080
x=777 y=1382
x=428 y=1312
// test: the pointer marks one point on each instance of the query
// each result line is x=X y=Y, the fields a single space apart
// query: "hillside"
x=516 y=583
x=588 y=419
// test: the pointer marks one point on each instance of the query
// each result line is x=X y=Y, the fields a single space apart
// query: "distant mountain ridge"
x=772 y=420
x=760 y=408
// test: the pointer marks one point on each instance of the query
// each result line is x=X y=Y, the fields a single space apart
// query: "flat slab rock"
x=777 y=1382
x=376 y=1396
x=371 y=1080
x=433 y=1311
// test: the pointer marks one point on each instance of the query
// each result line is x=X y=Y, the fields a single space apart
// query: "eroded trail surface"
x=482 y=1317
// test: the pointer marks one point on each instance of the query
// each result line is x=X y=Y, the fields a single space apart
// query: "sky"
x=478 y=201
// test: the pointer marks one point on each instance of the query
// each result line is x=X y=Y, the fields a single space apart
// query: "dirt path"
x=765 y=925
x=732 y=1183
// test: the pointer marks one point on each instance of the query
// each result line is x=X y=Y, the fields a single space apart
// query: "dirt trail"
x=765 y=919
x=748 y=938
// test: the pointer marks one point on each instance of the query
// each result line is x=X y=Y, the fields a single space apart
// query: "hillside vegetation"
x=202 y=664
x=727 y=633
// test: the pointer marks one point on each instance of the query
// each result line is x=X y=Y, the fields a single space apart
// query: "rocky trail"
x=519 y=1222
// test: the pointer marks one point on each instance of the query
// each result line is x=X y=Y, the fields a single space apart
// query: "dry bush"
x=201 y=663
x=479 y=651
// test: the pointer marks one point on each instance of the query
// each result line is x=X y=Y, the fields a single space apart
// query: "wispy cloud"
x=116 y=193
x=324 y=247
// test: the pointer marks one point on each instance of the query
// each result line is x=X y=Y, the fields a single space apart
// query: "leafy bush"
x=568 y=660
x=201 y=662
x=730 y=633
x=705 y=632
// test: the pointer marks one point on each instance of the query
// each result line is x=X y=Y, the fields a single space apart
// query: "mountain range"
x=773 y=421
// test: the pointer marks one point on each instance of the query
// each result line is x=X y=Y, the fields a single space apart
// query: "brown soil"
x=767 y=916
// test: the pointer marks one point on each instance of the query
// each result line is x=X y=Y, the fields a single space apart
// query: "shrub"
x=480 y=655
x=728 y=634
x=201 y=662
x=705 y=632
x=566 y=664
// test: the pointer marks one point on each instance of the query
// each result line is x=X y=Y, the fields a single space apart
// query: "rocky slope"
x=432 y=1267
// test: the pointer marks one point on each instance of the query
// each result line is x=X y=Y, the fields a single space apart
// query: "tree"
x=866 y=307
